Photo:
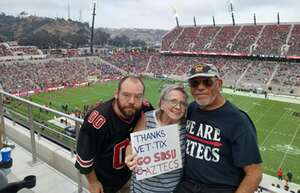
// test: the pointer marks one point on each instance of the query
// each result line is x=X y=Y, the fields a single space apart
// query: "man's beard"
x=127 y=111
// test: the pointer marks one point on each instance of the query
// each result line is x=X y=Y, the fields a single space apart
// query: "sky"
x=157 y=14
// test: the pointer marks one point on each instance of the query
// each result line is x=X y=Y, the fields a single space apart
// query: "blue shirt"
x=219 y=144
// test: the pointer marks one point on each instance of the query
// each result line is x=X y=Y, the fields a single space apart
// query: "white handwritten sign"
x=158 y=151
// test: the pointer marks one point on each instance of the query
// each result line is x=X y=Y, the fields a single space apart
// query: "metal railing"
x=28 y=120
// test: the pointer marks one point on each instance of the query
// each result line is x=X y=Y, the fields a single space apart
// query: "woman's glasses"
x=175 y=103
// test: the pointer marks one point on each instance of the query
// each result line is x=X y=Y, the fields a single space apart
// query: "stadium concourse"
x=263 y=58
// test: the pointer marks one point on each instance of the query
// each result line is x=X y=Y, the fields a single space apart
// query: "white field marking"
x=290 y=144
x=262 y=114
x=253 y=104
x=275 y=126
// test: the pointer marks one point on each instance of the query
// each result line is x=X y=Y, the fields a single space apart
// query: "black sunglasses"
x=207 y=82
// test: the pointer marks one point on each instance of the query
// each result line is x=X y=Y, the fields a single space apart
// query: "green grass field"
x=278 y=129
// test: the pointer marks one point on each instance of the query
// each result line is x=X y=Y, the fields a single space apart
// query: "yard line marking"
x=253 y=104
x=262 y=114
x=290 y=144
x=275 y=126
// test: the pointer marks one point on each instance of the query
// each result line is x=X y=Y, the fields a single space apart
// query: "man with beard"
x=105 y=134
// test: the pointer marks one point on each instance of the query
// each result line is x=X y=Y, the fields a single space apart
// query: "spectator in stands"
x=289 y=175
x=172 y=109
x=105 y=134
x=222 y=154
x=279 y=173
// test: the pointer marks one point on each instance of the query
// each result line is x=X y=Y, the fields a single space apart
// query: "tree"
x=76 y=40
x=42 y=39
x=138 y=43
x=101 y=38
x=120 y=41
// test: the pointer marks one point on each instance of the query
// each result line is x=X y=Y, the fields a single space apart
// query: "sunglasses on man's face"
x=207 y=82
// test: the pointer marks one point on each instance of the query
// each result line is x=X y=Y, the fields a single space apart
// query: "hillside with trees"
x=45 y=32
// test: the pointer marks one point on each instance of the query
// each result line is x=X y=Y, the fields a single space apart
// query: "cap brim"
x=201 y=75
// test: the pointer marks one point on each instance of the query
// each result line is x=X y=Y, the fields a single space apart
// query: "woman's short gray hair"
x=166 y=91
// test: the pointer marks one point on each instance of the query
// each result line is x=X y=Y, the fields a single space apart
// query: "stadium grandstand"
x=238 y=40
x=262 y=58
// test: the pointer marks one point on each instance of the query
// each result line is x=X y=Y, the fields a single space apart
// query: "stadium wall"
x=54 y=155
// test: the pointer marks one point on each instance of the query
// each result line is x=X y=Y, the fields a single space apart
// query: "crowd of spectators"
x=223 y=39
x=294 y=41
x=4 y=50
x=267 y=39
x=287 y=77
x=134 y=61
x=258 y=74
x=236 y=72
x=233 y=70
x=169 y=38
x=245 y=39
x=185 y=41
x=205 y=37
x=272 y=39
x=29 y=75
x=25 y=50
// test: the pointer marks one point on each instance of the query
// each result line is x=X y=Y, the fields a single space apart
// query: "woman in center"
x=171 y=110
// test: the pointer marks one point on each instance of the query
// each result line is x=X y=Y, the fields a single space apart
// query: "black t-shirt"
x=219 y=144
x=102 y=142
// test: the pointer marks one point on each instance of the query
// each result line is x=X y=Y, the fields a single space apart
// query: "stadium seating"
x=245 y=39
x=134 y=62
x=4 y=50
x=223 y=39
x=287 y=77
x=272 y=39
x=25 y=50
x=185 y=40
x=204 y=38
x=258 y=74
x=7 y=50
x=294 y=42
x=244 y=73
x=268 y=39
x=17 y=77
x=170 y=37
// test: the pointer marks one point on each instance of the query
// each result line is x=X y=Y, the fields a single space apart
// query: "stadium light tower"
x=254 y=18
x=195 y=24
x=232 y=13
x=80 y=15
x=175 y=15
x=176 y=18
x=214 y=21
x=177 y=22
x=278 y=18
x=69 y=11
x=92 y=30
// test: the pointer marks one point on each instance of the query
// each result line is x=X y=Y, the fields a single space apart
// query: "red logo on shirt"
x=96 y=119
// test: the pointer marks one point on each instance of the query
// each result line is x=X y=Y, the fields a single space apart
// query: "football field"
x=277 y=123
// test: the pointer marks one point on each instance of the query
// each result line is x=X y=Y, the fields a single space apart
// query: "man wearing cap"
x=222 y=154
